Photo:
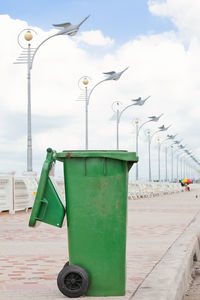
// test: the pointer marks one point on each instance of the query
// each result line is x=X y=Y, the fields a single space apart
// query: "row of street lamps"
x=181 y=159
x=117 y=116
x=27 y=57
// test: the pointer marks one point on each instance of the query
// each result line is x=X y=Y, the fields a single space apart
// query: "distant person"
x=187 y=187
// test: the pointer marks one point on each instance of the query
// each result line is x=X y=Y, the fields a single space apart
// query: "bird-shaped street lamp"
x=171 y=137
x=154 y=118
x=111 y=76
x=163 y=128
x=177 y=142
x=119 y=114
x=181 y=146
x=68 y=28
x=27 y=57
x=114 y=75
x=139 y=101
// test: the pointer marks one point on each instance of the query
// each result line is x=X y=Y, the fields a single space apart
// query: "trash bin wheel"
x=73 y=281
x=66 y=264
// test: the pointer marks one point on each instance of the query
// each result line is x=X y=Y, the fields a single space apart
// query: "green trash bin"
x=96 y=184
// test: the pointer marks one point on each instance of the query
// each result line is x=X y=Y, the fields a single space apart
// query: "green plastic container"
x=96 y=184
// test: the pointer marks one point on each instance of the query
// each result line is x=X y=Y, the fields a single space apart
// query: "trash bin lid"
x=113 y=154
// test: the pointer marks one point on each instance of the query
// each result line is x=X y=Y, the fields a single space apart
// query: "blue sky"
x=121 y=20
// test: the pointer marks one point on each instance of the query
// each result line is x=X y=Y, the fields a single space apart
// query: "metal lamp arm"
x=94 y=88
x=36 y=50
x=143 y=125
x=124 y=110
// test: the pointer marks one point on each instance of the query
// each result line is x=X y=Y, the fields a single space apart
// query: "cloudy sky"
x=158 y=40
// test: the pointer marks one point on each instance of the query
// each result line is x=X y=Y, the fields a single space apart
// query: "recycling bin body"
x=96 y=184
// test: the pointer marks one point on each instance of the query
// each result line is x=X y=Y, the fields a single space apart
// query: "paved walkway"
x=31 y=258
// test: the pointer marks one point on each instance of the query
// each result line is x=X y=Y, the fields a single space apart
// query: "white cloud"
x=95 y=38
x=159 y=66
x=183 y=13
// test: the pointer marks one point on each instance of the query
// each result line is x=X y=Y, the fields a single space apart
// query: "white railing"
x=18 y=193
x=25 y=189
x=151 y=189
x=6 y=191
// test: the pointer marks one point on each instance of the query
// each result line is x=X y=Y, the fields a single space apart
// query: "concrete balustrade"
x=6 y=191
x=17 y=193
x=151 y=189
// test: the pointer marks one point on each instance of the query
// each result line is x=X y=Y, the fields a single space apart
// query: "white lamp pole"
x=138 y=128
x=158 y=140
x=172 y=162
x=161 y=128
x=138 y=102
x=149 y=150
x=110 y=76
x=166 y=175
x=27 y=57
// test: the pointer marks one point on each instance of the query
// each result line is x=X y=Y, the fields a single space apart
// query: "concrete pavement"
x=162 y=241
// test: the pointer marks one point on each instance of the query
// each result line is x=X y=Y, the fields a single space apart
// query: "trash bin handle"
x=45 y=208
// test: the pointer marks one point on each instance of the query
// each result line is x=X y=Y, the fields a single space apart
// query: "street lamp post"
x=181 y=166
x=149 y=151
x=177 y=157
x=138 y=101
x=158 y=140
x=85 y=80
x=172 y=162
x=189 y=155
x=182 y=159
x=179 y=161
x=110 y=76
x=137 y=137
x=184 y=167
x=138 y=128
x=115 y=107
x=161 y=128
x=166 y=175
x=27 y=57
x=177 y=173
x=169 y=137
x=29 y=134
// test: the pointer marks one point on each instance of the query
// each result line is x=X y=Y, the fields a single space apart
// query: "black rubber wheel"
x=73 y=281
